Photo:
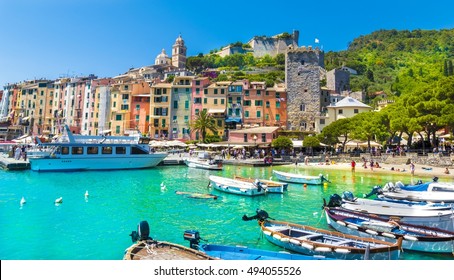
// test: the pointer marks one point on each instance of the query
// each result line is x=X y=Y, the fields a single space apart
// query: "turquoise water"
x=98 y=228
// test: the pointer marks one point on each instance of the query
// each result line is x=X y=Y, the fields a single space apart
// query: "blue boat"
x=226 y=252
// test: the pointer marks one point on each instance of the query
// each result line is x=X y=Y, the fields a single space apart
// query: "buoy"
x=86 y=194
x=59 y=200
x=305 y=185
x=22 y=201
x=325 y=184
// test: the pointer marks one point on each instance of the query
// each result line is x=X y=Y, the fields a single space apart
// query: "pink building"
x=257 y=136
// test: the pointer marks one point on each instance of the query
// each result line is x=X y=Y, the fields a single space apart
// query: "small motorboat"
x=271 y=186
x=414 y=237
x=197 y=195
x=227 y=252
x=146 y=248
x=309 y=240
x=238 y=187
x=299 y=178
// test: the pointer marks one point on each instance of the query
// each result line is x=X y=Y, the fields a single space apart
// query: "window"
x=259 y=114
x=114 y=104
x=197 y=100
x=246 y=114
x=215 y=91
x=186 y=104
x=322 y=121
x=222 y=101
x=219 y=123
x=302 y=107
x=341 y=111
x=267 y=104
x=117 y=129
x=278 y=117
x=120 y=150
x=92 y=150
x=215 y=101
x=137 y=118
x=278 y=95
x=267 y=117
x=230 y=100
x=278 y=104
x=138 y=107
x=77 y=150
x=163 y=122
x=245 y=137
x=197 y=83
x=263 y=137
x=205 y=100
x=175 y=104
x=259 y=92
x=246 y=93
x=222 y=91
x=125 y=96
x=247 y=102
x=258 y=103
x=65 y=150
x=205 y=91
x=123 y=106
x=197 y=91
x=355 y=111
x=118 y=117
x=197 y=112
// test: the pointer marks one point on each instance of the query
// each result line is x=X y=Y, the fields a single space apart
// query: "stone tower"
x=179 y=53
x=302 y=76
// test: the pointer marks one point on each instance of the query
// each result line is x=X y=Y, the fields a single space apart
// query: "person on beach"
x=412 y=168
x=447 y=171
x=353 y=165
x=371 y=165
x=306 y=160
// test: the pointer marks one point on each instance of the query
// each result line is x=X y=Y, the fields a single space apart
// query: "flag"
x=317 y=41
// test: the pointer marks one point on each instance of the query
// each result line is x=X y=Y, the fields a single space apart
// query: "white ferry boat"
x=87 y=152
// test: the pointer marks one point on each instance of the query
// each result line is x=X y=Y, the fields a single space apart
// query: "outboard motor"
x=348 y=196
x=334 y=200
x=258 y=184
x=261 y=216
x=389 y=187
x=419 y=182
x=142 y=233
x=193 y=237
x=435 y=179
x=375 y=190
x=399 y=185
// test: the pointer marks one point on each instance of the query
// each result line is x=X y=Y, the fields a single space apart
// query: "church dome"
x=161 y=58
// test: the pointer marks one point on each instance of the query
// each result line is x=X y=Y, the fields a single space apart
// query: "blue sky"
x=54 y=38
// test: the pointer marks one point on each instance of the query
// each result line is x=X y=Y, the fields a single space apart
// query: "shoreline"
x=401 y=169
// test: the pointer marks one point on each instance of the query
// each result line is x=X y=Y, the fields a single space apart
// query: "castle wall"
x=302 y=75
x=338 y=80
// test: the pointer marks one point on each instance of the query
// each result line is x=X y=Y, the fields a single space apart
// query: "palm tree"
x=204 y=122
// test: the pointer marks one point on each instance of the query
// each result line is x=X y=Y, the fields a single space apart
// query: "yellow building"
x=160 y=110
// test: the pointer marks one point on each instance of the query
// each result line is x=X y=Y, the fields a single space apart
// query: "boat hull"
x=298 y=179
x=303 y=240
x=442 y=219
x=95 y=163
x=202 y=165
x=235 y=187
x=351 y=223
x=243 y=253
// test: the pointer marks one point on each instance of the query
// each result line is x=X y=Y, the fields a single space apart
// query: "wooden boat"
x=422 y=215
x=414 y=237
x=315 y=241
x=237 y=186
x=209 y=164
x=226 y=252
x=299 y=179
x=433 y=186
x=271 y=186
x=145 y=248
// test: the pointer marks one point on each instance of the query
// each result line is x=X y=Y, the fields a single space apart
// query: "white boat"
x=434 y=192
x=271 y=186
x=237 y=186
x=414 y=237
x=299 y=178
x=423 y=215
x=210 y=164
x=87 y=152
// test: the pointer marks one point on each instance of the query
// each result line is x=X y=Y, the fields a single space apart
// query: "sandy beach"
x=423 y=171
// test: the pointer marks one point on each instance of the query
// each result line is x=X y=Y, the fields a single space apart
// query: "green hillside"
x=396 y=61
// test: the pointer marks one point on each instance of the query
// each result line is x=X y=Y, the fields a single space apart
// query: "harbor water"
x=97 y=226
